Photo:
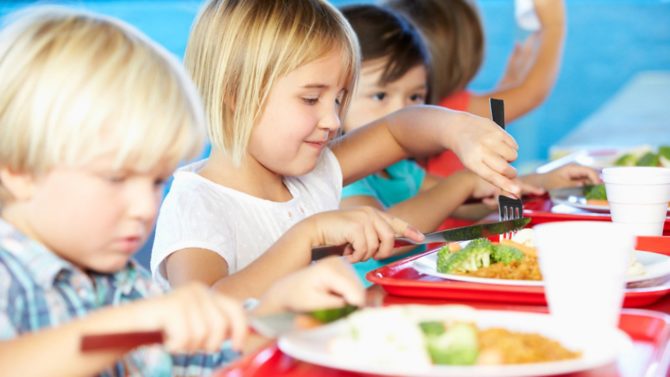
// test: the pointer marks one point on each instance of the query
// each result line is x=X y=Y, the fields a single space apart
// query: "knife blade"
x=450 y=235
x=277 y=324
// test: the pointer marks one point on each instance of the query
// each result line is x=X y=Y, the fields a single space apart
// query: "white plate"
x=313 y=346
x=574 y=197
x=655 y=265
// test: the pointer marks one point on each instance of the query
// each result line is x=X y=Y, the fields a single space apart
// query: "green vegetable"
x=332 y=314
x=627 y=159
x=455 y=345
x=664 y=155
x=506 y=254
x=471 y=258
x=648 y=159
x=432 y=328
x=595 y=192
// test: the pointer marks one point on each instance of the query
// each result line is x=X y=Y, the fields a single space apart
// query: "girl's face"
x=300 y=117
x=94 y=216
x=373 y=100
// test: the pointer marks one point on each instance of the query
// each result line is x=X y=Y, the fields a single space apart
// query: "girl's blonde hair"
x=455 y=38
x=238 y=49
x=72 y=81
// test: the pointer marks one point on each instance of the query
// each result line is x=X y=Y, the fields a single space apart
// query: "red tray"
x=401 y=279
x=541 y=210
x=650 y=355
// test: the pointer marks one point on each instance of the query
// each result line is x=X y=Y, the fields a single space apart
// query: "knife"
x=275 y=325
x=450 y=235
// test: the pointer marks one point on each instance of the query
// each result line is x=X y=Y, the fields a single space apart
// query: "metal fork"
x=508 y=208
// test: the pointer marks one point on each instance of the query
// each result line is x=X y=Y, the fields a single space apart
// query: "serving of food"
x=417 y=340
x=515 y=262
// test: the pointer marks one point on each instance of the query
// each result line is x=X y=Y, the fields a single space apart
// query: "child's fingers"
x=236 y=320
x=342 y=281
x=499 y=180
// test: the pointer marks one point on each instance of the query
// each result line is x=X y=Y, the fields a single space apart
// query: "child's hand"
x=519 y=62
x=328 y=283
x=486 y=149
x=568 y=176
x=368 y=232
x=197 y=318
x=527 y=188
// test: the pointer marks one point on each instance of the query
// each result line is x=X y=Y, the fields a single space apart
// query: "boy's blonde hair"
x=238 y=49
x=455 y=37
x=71 y=80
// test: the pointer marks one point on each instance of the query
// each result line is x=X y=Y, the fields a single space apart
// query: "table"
x=637 y=115
x=269 y=360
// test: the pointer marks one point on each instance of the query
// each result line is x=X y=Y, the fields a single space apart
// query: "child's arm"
x=370 y=232
x=565 y=176
x=531 y=90
x=192 y=318
x=436 y=201
x=419 y=131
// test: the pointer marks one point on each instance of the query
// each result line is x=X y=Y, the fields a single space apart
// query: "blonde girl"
x=276 y=78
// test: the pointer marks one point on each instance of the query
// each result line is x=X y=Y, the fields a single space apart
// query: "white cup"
x=583 y=264
x=638 y=196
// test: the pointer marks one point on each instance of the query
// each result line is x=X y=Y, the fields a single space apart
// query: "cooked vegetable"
x=595 y=192
x=506 y=254
x=452 y=345
x=648 y=159
x=475 y=255
x=332 y=314
x=627 y=159
x=664 y=155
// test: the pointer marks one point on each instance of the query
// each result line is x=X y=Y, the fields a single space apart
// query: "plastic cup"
x=584 y=266
x=638 y=197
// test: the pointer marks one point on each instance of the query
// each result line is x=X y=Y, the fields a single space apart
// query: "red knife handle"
x=120 y=340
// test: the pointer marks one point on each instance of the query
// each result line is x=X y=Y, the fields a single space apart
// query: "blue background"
x=608 y=42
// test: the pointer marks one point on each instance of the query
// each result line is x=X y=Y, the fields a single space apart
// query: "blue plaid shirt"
x=39 y=290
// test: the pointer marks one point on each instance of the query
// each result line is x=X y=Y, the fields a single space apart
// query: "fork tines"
x=509 y=209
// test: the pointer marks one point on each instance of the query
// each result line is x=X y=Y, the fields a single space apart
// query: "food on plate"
x=320 y=317
x=423 y=336
x=596 y=195
x=645 y=157
x=482 y=258
x=512 y=259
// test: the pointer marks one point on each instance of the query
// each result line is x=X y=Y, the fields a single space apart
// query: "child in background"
x=276 y=77
x=93 y=118
x=394 y=75
x=454 y=35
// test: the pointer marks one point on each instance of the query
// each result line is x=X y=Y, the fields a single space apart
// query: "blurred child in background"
x=455 y=37
x=276 y=78
x=93 y=119
x=394 y=75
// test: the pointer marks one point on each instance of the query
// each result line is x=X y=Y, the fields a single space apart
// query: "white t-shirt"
x=198 y=213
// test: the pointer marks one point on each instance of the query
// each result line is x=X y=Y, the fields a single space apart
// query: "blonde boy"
x=93 y=118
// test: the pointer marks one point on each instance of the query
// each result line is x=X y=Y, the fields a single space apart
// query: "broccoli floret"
x=627 y=159
x=332 y=314
x=664 y=155
x=506 y=254
x=595 y=192
x=473 y=257
x=648 y=159
x=455 y=345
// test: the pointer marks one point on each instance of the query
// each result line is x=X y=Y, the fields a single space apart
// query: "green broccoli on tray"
x=479 y=253
x=649 y=158
x=450 y=345
x=595 y=192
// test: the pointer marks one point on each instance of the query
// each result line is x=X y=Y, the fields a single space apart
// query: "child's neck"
x=250 y=177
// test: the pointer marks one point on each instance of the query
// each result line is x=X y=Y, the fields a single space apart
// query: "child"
x=455 y=37
x=93 y=119
x=394 y=75
x=276 y=76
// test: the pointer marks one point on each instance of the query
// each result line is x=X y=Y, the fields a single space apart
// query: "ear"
x=20 y=185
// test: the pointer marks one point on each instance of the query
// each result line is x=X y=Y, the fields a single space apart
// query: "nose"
x=331 y=120
x=144 y=200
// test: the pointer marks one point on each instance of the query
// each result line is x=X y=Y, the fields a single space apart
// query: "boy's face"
x=373 y=100
x=300 y=117
x=92 y=215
